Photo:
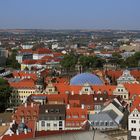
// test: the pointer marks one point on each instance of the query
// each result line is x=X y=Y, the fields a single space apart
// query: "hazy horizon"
x=70 y=15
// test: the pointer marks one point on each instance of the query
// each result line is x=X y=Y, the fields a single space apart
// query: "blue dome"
x=83 y=78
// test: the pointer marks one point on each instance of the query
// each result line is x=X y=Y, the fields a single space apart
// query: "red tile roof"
x=26 y=51
x=42 y=51
x=25 y=83
x=133 y=89
x=135 y=104
x=29 y=62
x=21 y=74
x=62 y=88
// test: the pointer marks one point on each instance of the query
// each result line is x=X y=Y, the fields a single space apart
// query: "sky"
x=70 y=14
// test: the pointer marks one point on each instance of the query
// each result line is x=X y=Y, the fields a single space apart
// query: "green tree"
x=11 y=60
x=89 y=62
x=5 y=93
x=133 y=61
x=68 y=63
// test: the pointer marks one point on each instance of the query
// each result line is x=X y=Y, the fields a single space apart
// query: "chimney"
x=25 y=131
x=80 y=93
x=25 y=105
x=72 y=93
x=14 y=121
x=32 y=104
x=22 y=120
x=82 y=106
x=68 y=106
x=17 y=132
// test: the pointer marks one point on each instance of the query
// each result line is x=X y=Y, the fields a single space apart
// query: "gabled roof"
x=26 y=51
x=42 y=51
x=103 y=116
x=135 y=104
x=29 y=62
x=84 y=99
x=64 y=87
x=133 y=89
x=25 y=84
x=26 y=74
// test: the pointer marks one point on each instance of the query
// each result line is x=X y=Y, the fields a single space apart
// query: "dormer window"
x=101 y=99
x=86 y=89
x=95 y=98
x=50 y=90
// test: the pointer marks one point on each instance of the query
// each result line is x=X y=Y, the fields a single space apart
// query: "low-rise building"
x=126 y=77
x=51 y=117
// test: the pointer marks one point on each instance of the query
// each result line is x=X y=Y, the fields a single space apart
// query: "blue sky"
x=70 y=14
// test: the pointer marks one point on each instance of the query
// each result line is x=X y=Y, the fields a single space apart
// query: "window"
x=86 y=89
x=55 y=125
x=101 y=99
x=50 y=90
x=43 y=123
x=101 y=123
x=111 y=123
x=97 y=123
x=52 y=110
x=48 y=124
x=124 y=96
x=121 y=90
x=75 y=116
x=133 y=129
x=95 y=98
x=60 y=123
x=106 y=124
x=133 y=121
x=67 y=116
x=57 y=110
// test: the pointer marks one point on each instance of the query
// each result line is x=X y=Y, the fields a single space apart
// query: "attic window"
x=101 y=99
x=86 y=89
x=50 y=90
x=95 y=98
x=57 y=110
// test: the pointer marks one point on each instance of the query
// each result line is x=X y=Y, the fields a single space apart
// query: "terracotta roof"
x=83 y=99
x=57 y=54
x=42 y=51
x=21 y=74
x=135 y=104
x=29 y=62
x=25 y=83
x=62 y=88
x=78 y=111
x=133 y=89
x=53 y=97
x=26 y=51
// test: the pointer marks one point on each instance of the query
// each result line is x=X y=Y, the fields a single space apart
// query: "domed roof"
x=83 y=78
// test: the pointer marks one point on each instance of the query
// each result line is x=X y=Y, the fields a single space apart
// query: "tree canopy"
x=69 y=61
x=5 y=92
x=133 y=61
x=11 y=60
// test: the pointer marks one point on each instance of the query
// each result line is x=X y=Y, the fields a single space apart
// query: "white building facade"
x=134 y=124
